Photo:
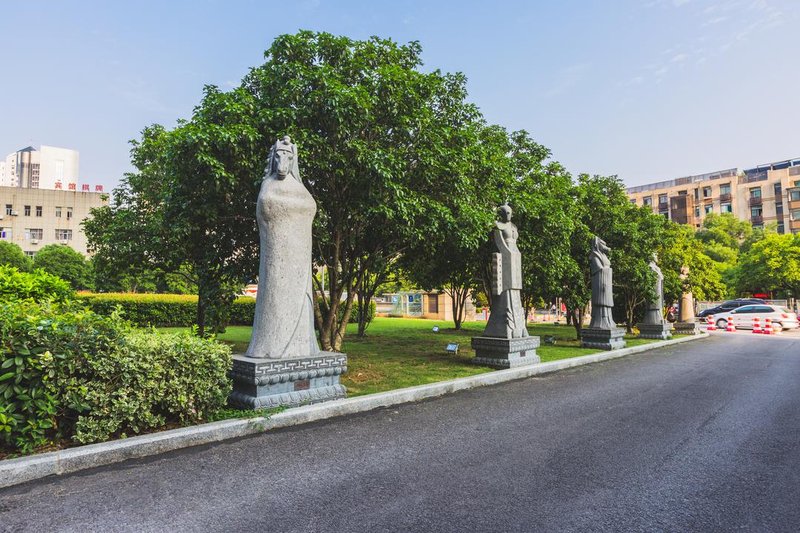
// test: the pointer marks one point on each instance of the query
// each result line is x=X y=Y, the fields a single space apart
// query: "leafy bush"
x=354 y=312
x=160 y=310
x=67 y=372
x=38 y=286
x=66 y=263
x=150 y=380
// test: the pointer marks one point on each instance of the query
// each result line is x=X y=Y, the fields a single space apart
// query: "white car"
x=742 y=317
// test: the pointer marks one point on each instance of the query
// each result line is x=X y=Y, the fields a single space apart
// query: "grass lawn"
x=403 y=352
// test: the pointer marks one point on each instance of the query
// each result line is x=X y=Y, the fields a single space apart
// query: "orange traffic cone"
x=730 y=328
x=756 y=326
x=710 y=323
x=767 y=326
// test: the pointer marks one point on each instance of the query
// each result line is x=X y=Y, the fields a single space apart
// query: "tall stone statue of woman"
x=508 y=317
x=655 y=306
x=284 y=316
x=602 y=295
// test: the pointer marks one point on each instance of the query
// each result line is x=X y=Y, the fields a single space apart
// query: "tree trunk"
x=458 y=302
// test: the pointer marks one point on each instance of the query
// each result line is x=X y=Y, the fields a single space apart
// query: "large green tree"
x=67 y=264
x=12 y=255
x=771 y=264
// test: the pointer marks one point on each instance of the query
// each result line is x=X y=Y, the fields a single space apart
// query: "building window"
x=648 y=200
x=779 y=208
x=725 y=189
x=697 y=194
x=63 y=234
x=756 y=211
x=778 y=189
x=34 y=233
x=662 y=199
x=697 y=212
x=709 y=208
x=794 y=195
x=69 y=213
x=781 y=228
x=706 y=192
x=30 y=254
x=725 y=208
x=38 y=210
x=5 y=233
x=27 y=210
x=9 y=209
x=755 y=192
x=795 y=214
x=58 y=211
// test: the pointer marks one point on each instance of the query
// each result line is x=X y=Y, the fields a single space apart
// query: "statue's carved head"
x=505 y=212
x=283 y=159
x=600 y=245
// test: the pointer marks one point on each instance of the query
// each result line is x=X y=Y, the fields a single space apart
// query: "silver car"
x=742 y=317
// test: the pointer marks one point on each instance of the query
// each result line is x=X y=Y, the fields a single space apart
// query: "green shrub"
x=354 y=312
x=37 y=286
x=151 y=380
x=12 y=255
x=67 y=372
x=162 y=310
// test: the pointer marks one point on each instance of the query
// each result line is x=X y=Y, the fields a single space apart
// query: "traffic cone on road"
x=710 y=323
x=730 y=327
x=756 y=326
x=768 y=327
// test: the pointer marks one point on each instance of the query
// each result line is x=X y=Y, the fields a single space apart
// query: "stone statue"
x=284 y=315
x=654 y=326
x=283 y=364
x=505 y=342
x=508 y=317
x=602 y=331
x=686 y=324
x=655 y=306
x=602 y=289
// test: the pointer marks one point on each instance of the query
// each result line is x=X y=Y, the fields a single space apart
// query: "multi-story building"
x=33 y=218
x=762 y=195
x=47 y=168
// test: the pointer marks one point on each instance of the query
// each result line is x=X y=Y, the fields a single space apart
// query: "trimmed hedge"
x=175 y=310
x=69 y=373
x=161 y=310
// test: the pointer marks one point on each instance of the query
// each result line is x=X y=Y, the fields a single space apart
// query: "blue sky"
x=647 y=90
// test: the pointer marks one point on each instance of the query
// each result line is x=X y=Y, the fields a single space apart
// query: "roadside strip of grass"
x=404 y=352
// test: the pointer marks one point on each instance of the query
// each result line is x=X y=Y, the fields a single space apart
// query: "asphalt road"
x=703 y=436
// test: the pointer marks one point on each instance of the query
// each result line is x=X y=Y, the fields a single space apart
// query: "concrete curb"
x=23 y=469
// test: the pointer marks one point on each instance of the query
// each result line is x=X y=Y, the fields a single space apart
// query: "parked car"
x=729 y=305
x=742 y=317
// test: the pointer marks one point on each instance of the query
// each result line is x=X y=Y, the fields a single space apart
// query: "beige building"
x=33 y=218
x=762 y=195
x=49 y=167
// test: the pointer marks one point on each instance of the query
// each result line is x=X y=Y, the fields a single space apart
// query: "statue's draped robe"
x=283 y=326
x=507 y=319
x=602 y=295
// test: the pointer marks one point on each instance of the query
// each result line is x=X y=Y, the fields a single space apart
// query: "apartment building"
x=762 y=195
x=49 y=167
x=33 y=218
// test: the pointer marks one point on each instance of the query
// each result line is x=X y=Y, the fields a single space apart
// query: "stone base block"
x=661 y=331
x=604 y=339
x=505 y=353
x=260 y=383
x=687 y=328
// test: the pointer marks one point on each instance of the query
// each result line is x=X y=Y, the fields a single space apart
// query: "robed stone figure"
x=655 y=305
x=507 y=319
x=602 y=286
x=283 y=326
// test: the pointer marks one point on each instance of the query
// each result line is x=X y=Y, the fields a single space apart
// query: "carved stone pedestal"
x=661 y=331
x=505 y=353
x=260 y=383
x=687 y=328
x=604 y=339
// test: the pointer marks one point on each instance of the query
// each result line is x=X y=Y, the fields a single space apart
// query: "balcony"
x=757 y=219
x=725 y=197
x=754 y=201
